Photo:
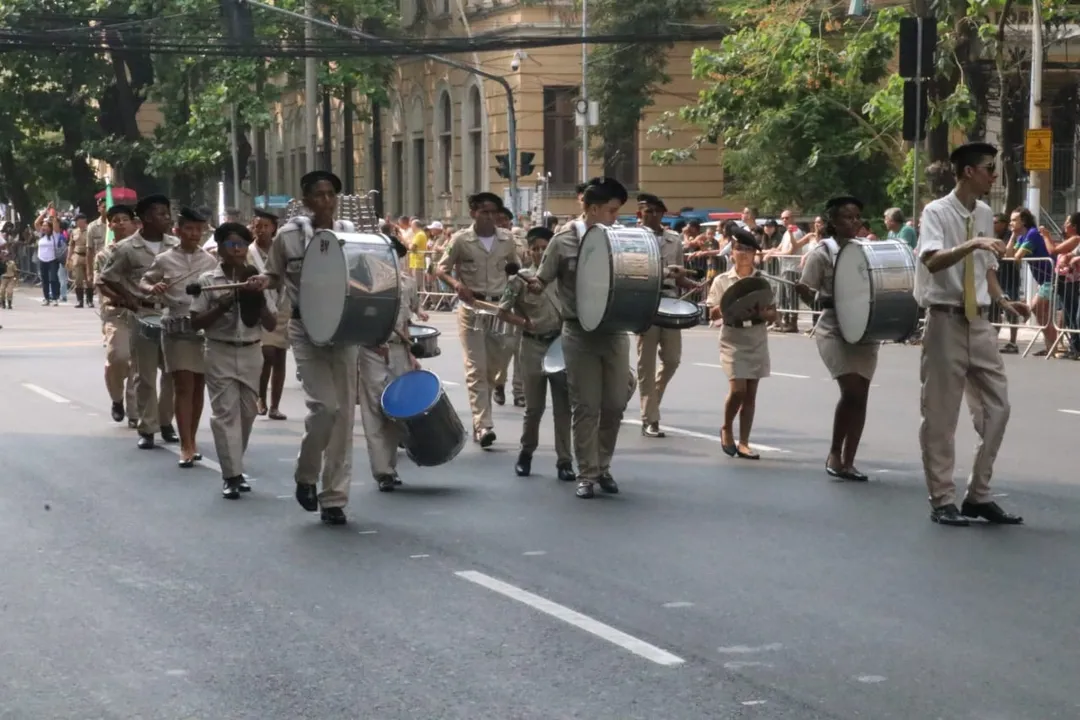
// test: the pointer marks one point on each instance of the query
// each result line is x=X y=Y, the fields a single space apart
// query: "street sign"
x=1038 y=149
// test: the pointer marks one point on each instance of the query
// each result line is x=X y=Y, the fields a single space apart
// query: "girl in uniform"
x=744 y=348
x=851 y=365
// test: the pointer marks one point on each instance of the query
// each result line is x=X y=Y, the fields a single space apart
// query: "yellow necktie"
x=971 y=309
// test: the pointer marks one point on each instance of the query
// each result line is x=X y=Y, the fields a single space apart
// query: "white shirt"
x=47 y=247
x=944 y=227
x=791 y=263
x=487 y=242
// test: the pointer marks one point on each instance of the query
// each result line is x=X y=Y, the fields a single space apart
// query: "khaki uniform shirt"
x=671 y=253
x=130 y=260
x=481 y=271
x=560 y=264
x=541 y=308
x=179 y=269
x=100 y=260
x=79 y=245
x=96 y=232
x=229 y=327
x=566 y=225
x=11 y=269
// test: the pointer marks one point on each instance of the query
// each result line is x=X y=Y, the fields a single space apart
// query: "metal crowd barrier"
x=1016 y=279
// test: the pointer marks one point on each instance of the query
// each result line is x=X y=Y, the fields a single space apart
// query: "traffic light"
x=502 y=166
x=526 y=166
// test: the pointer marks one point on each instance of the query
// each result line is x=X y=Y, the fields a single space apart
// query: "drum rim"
x=426 y=410
x=659 y=311
x=862 y=244
x=435 y=332
x=611 y=274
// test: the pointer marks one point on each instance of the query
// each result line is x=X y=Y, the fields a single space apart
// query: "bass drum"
x=434 y=434
x=619 y=278
x=873 y=291
x=349 y=289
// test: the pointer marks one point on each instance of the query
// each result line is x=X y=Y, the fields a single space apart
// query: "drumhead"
x=594 y=271
x=152 y=320
x=852 y=291
x=411 y=394
x=324 y=287
x=554 y=362
x=423 y=331
x=673 y=307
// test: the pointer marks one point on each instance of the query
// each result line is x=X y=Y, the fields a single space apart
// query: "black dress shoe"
x=230 y=489
x=585 y=490
x=566 y=472
x=334 y=516
x=608 y=484
x=499 y=396
x=132 y=423
x=519 y=402
x=652 y=430
x=308 y=496
x=948 y=515
x=853 y=475
x=747 y=455
x=487 y=437
x=991 y=512
x=385 y=483
x=146 y=441
x=189 y=463
x=168 y=434
x=117 y=412
x=523 y=466
x=241 y=482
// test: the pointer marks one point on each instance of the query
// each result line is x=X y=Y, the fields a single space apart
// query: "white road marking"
x=753 y=702
x=678 y=604
x=713 y=438
x=535 y=552
x=742 y=665
x=368 y=532
x=1060 y=410
x=417 y=557
x=284 y=497
x=1000 y=495
x=205 y=462
x=176 y=673
x=749 y=649
x=778 y=374
x=882 y=471
x=47 y=394
x=450 y=383
x=572 y=617
x=871 y=679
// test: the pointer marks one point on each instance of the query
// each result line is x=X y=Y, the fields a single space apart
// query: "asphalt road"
x=710 y=588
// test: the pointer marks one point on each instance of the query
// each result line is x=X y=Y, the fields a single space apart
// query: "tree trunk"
x=14 y=185
x=125 y=103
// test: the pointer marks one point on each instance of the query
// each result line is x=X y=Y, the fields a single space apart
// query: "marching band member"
x=744 y=348
x=275 y=344
x=956 y=281
x=77 y=260
x=116 y=325
x=479 y=255
x=542 y=324
x=852 y=366
x=579 y=190
x=97 y=233
x=122 y=274
x=233 y=323
x=596 y=363
x=506 y=222
x=327 y=373
x=651 y=384
x=183 y=351
x=378 y=367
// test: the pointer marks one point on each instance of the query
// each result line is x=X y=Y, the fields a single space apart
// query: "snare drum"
x=490 y=323
x=619 y=278
x=150 y=327
x=873 y=291
x=434 y=434
x=177 y=325
x=425 y=339
x=677 y=314
x=349 y=289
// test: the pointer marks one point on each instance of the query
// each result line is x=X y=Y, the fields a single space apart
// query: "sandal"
x=276 y=414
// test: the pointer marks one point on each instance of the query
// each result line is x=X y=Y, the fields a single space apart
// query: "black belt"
x=235 y=343
x=78 y=252
x=482 y=296
x=547 y=337
x=152 y=306
x=296 y=313
x=826 y=304
x=744 y=323
x=956 y=309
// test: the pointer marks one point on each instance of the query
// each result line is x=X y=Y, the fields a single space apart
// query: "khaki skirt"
x=183 y=353
x=843 y=358
x=279 y=338
x=744 y=352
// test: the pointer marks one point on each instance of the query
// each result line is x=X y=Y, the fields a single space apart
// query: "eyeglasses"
x=234 y=244
x=991 y=168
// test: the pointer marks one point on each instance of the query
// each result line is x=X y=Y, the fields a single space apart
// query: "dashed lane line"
x=572 y=617
x=711 y=438
x=777 y=374
x=47 y=394
x=1068 y=412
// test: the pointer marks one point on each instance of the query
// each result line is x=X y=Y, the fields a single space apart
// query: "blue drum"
x=416 y=401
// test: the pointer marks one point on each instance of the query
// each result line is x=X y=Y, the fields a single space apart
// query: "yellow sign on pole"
x=1038 y=149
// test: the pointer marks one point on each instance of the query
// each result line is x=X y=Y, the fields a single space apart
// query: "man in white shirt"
x=956 y=281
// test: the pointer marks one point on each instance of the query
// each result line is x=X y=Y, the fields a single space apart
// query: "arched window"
x=445 y=124
x=474 y=141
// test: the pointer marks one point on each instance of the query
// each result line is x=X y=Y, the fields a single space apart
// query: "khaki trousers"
x=381 y=435
x=531 y=355
x=959 y=357
x=328 y=379
x=651 y=382
x=518 y=382
x=232 y=382
x=485 y=356
x=154 y=409
x=78 y=273
x=7 y=287
x=598 y=372
x=119 y=369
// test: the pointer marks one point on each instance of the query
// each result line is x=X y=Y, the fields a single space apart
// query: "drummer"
x=542 y=324
x=327 y=373
x=378 y=366
x=651 y=384
x=478 y=256
x=744 y=347
x=851 y=365
x=596 y=363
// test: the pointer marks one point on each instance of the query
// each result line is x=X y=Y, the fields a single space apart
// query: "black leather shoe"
x=230 y=489
x=146 y=441
x=308 y=496
x=519 y=402
x=523 y=466
x=608 y=484
x=948 y=515
x=241 y=483
x=334 y=516
x=132 y=423
x=486 y=437
x=652 y=430
x=117 y=412
x=566 y=472
x=991 y=512
x=585 y=490
x=499 y=396
x=385 y=483
x=168 y=434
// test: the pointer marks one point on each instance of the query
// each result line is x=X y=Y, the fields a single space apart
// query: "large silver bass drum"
x=349 y=288
x=619 y=278
x=873 y=291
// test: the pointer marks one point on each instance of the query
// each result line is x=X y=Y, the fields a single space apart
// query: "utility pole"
x=311 y=89
x=1034 y=194
x=584 y=92
x=918 y=123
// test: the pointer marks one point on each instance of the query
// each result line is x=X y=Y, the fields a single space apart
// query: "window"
x=446 y=143
x=397 y=176
x=621 y=160
x=474 y=118
x=560 y=137
x=419 y=179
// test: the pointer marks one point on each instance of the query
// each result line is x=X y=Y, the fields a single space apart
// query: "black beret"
x=190 y=216
x=150 y=200
x=120 y=210
x=650 y=199
x=266 y=214
x=580 y=188
x=610 y=186
x=836 y=202
x=480 y=197
x=539 y=232
x=223 y=231
x=308 y=181
x=970 y=152
x=745 y=238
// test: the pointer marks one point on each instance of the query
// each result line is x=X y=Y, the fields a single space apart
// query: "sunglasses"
x=991 y=168
x=234 y=244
